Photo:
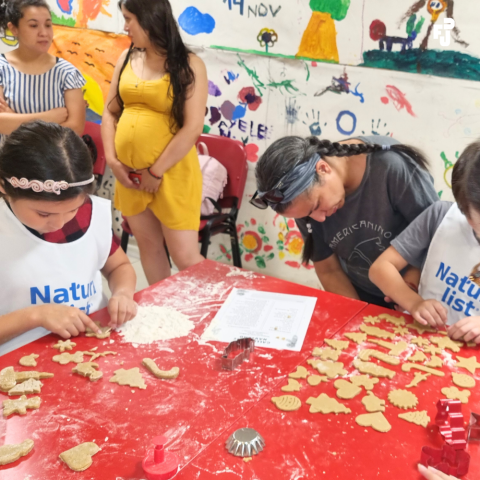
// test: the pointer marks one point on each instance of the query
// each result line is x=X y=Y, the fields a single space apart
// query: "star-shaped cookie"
x=469 y=364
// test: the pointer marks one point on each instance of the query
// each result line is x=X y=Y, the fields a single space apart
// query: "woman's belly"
x=141 y=137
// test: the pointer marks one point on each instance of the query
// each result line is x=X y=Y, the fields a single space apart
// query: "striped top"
x=38 y=93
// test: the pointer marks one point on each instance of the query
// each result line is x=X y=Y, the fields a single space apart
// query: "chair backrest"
x=231 y=154
x=94 y=130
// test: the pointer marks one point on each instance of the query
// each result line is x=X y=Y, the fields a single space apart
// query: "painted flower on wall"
x=247 y=95
x=267 y=38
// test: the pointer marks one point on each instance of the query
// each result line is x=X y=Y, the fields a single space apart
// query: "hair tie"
x=309 y=228
x=50 y=186
x=385 y=147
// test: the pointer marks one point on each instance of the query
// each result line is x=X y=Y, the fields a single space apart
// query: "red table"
x=301 y=445
x=193 y=411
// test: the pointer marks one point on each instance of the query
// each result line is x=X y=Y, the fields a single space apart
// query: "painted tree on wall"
x=319 y=40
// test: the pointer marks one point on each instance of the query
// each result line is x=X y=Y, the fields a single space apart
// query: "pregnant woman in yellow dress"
x=154 y=115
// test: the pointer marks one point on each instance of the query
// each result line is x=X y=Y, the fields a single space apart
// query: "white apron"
x=452 y=255
x=35 y=272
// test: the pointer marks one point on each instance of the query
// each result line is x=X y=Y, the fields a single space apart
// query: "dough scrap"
x=406 y=367
x=371 y=320
x=65 y=358
x=418 y=417
x=471 y=344
x=420 y=341
x=11 y=453
x=325 y=404
x=96 y=355
x=287 y=403
x=469 y=364
x=20 y=405
x=401 y=330
x=337 y=344
x=421 y=329
x=366 y=354
x=376 y=332
x=397 y=321
x=435 y=362
x=356 y=337
x=372 y=403
x=364 y=381
x=64 y=345
x=26 y=388
x=346 y=390
x=132 y=378
x=29 y=360
x=293 y=386
x=330 y=369
x=9 y=378
x=418 y=356
x=326 y=353
x=375 y=420
x=453 y=393
x=88 y=369
x=105 y=331
x=301 y=372
x=396 y=349
x=418 y=377
x=402 y=399
x=462 y=380
x=446 y=342
x=373 y=369
x=432 y=350
x=79 y=458
x=314 y=380
x=150 y=365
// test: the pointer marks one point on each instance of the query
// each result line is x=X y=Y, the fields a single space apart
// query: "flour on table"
x=153 y=323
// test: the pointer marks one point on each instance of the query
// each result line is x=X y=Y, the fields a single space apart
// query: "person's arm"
x=111 y=113
x=333 y=278
x=194 y=113
x=121 y=280
x=10 y=121
x=60 y=319
x=76 y=109
x=385 y=274
x=467 y=330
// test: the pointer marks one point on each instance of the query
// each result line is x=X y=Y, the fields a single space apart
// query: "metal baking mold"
x=244 y=346
x=245 y=442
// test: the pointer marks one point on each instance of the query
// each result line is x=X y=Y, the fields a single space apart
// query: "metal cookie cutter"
x=236 y=352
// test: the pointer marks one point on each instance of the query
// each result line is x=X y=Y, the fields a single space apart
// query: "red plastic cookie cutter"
x=474 y=427
x=450 y=423
x=158 y=463
x=448 y=460
x=236 y=352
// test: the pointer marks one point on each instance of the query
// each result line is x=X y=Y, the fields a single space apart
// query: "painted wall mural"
x=305 y=68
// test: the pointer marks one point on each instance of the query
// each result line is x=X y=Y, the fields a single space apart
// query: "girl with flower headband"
x=33 y=83
x=444 y=241
x=56 y=240
x=349 y=199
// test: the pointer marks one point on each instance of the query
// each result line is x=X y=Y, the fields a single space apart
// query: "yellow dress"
x=143 y=132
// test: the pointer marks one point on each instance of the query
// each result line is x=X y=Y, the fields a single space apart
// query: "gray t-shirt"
x=393 y=192
x=413 y=243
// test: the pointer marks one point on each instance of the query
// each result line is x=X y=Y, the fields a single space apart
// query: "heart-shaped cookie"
x=79 y=458
x=375 y=420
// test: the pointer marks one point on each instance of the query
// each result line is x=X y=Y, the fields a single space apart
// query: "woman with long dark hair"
x=154 y=115
x=349 y=199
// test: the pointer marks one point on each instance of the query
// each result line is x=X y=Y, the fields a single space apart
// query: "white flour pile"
x=154 y=323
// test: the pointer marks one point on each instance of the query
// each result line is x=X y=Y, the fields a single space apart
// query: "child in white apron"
x=444 y=241
x=45 y=178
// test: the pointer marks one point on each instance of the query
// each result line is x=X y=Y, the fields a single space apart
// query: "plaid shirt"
x=75 y=228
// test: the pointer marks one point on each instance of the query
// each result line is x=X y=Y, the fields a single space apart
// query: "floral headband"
x=50 y=186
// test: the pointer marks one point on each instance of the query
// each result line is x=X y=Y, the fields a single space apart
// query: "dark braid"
x=284 y=153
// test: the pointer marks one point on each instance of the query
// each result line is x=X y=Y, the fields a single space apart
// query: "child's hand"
x=431 y=473
x=121 y=308
x=430 y=312
x=63 y=320
x=467 y=329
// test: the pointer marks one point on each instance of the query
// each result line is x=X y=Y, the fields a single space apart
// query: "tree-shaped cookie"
x=356 y=337
x=20 y=405
x=337 y=344
x=132 y=378
x=62 y=346
x=65 y=358
x=29 y=360
x=325 y=404
x=419 y=417
x=88 y=369
x=373 y=403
